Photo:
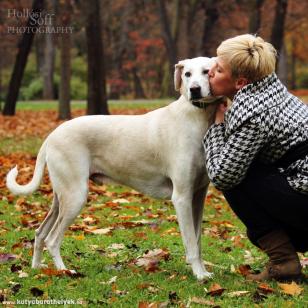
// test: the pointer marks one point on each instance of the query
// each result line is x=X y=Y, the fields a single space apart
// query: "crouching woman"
x=257 y=153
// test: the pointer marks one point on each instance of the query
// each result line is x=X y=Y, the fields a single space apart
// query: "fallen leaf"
x=212 y=264
x=291 y=288
x=244 y=269
x=110 y=281
x=202 y=301
x=22 y=274
x=215 y=290
x=15 y=288
x=173 y=297
x=237 y=241
x=88 y=220
x=172 y=231
x=15 y=268
x=36 y=292
x=78 y=237
x=5 y=257
x=55 y=272
x=121 y=200
x=304 y=262
x=103 y=231
x=141 y=235
x=149 y=261
x=116 y=246
x=237 y=293
x=258 y=297
x=265 y=288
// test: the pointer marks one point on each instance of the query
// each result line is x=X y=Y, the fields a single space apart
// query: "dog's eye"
x=187 y=74
x=205 y=72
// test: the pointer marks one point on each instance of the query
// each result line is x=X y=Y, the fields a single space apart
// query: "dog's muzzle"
x=207 y=100
x=195 y=93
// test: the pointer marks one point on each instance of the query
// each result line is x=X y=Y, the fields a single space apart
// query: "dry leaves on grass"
x=215 y=290
x=40 y=123
x=291 y=288
x=150 y=260
x=5 y=257
x=264 y=288
x=202 y=301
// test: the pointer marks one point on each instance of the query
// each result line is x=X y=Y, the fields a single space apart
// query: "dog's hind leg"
x=42 y=232
x=71 y=202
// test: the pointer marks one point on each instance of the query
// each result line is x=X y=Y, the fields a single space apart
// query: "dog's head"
x=191 y=77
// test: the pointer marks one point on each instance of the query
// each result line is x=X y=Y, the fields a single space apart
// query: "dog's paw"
x=39 y=265
x=204 y=276
x=200 y=272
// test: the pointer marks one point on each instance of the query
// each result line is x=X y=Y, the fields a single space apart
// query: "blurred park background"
x=65 y=58
x=101 y=50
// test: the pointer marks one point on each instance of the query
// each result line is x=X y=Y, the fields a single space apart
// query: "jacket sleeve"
x=228 y=159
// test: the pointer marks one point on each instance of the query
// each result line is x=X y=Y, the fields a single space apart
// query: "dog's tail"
x=29 y=188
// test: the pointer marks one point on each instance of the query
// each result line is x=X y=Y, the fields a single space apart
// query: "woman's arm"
x=227 y=160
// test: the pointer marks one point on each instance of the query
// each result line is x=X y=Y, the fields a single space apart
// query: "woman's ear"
x=240 y=83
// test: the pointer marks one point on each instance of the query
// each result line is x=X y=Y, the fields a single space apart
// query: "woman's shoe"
x=284 y=264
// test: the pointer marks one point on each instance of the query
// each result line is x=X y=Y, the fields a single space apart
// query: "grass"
x=30 y=145
x=125 y=104
x=109 y=274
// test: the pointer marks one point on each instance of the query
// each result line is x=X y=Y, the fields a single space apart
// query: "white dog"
x=159 y=153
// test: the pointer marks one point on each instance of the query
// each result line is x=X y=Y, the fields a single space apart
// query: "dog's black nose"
x=195 y=92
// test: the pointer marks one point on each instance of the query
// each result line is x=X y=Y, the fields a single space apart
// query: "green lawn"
x=109 y=274
x=125 y=104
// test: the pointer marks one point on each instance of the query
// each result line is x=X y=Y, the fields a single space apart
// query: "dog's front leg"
x=198 y=206
x=182 y=200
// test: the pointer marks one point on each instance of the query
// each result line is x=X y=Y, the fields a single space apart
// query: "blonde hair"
x=249 y=56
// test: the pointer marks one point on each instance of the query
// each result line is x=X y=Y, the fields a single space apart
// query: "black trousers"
x=264 y=201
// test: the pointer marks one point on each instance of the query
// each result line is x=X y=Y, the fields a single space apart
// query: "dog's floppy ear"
x=177 y=75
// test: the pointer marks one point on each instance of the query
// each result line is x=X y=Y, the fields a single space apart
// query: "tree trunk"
x=278 y=25
x=21 y=58
x=139 y=93
x=97 y=101
x=193 y=7
x=39 y=45
x=48 y=68
x=282 y=69
x=1 y=98
x=293 y=66
x=211 y=18
x=255 y=16
x=65 y=49
x=122 y=47
x=169 y=41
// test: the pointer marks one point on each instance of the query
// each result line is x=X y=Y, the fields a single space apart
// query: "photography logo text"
x=38 y=22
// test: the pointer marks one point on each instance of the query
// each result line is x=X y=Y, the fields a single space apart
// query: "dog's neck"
x=205 y=115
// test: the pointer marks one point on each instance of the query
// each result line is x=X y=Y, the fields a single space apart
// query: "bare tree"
x=193 y=6
x=49 y=63
x=255 y=15
x=211 y=17
x=170 y=39
x=65 y=50
x=278 y=24
x=24 y=48
x=97 y=101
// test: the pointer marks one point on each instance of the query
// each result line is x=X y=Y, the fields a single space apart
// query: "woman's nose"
x=211 y=73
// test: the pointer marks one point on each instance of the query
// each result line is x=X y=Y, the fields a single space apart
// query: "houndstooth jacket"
x=263 y=122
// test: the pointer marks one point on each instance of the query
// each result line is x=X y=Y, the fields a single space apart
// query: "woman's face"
x=221 y=80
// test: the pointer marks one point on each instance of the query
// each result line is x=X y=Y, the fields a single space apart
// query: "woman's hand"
x=220 y=113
